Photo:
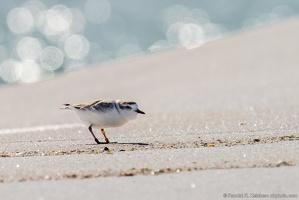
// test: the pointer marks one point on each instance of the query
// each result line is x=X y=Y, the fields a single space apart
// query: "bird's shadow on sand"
x=123 y=143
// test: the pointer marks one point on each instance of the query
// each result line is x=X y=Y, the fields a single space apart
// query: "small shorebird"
x=105 y=114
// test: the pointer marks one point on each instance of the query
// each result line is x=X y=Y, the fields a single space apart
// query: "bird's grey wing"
x=103 y=106
x=87 y=105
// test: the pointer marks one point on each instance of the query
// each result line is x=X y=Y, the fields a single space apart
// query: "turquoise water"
x=39 y=39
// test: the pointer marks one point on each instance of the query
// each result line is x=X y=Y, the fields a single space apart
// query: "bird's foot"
x=107 y=140
x=97 y=141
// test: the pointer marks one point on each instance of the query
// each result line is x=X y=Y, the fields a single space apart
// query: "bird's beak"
x=140 y=112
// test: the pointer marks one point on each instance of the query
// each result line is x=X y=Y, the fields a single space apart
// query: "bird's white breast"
x=101 y=119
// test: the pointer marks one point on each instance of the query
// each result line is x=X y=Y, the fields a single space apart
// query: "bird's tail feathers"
x=66 y=106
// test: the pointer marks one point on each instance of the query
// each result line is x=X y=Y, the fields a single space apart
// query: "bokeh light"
x=10 y=71
x=192 y=35
x=30 y=72
x=29 y=48
x=173 y=33
x=78 y=22
x=188 y=27
x=76 y=47
x=277 y=14
x=51 y=58
x=186 y=35
x=20 y=20
x=36 y=9
x=159 y=45
x=59 y=18
x=174 y=14
x=40 y=38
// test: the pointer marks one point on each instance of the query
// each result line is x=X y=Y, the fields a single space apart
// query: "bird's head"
x=129 y=109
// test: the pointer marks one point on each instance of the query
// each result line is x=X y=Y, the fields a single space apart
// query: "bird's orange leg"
x=103 y=132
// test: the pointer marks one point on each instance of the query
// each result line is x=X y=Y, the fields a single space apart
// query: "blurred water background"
x=39 y=39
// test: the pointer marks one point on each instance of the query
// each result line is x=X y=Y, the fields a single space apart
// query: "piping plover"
x=105 y=114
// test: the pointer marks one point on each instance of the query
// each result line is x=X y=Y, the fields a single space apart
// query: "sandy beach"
x=220 y=119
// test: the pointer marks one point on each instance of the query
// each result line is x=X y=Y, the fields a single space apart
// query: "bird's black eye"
x=125 y=107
